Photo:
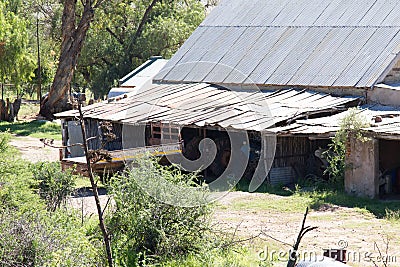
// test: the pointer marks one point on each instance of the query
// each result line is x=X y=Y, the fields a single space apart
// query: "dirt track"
x=32 y=149
x=359 y=232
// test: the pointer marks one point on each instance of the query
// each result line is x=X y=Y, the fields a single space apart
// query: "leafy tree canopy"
x=16 y=60
x=127 y=32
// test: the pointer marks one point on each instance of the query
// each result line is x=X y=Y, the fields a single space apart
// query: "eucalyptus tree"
x=128 y=32
x=97 y=49
x=76 y=20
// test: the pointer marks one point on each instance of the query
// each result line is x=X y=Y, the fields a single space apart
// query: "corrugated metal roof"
x=298 y=43
x=144 y=72
x=390 y=124
x=204 y=104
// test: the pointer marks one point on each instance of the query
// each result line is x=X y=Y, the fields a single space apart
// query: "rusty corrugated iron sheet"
x=389 y=124
x=204 y=104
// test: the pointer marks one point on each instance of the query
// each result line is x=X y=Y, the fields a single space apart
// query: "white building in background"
x=139 y=79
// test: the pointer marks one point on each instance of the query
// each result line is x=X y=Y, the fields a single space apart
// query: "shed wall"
x=362 y=172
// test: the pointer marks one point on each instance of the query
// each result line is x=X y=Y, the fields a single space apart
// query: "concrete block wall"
x=362 y=172
x=385 y=96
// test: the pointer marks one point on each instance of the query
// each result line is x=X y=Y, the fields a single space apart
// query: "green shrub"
x=143 y=228
x=30 y=235
x=350 y=125
x=16 y=180
x=54 y=185
x=45 y=239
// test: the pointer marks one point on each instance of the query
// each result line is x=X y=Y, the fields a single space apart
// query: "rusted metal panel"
x=204 y=104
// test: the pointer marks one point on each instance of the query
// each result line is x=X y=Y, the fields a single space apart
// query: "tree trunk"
x=73 y=38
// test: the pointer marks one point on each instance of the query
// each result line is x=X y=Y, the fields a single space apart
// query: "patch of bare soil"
x=84 y=202
x=360 y=233
x=33 y=150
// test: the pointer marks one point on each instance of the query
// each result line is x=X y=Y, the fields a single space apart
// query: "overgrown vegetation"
x=142 y=225
x=350 y=126
x=38 y=229
x=54 y=185
x=29 y=234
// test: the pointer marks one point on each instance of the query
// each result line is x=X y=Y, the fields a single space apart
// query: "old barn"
x=288 y=69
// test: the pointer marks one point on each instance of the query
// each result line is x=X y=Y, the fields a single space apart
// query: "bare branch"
x=113 y=34
x=98 y=3
x=103 y=228
x=143 y=22
x=50 y=142
x=304 y=229
x=105 y=207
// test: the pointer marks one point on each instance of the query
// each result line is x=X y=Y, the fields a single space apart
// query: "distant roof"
x=208 y=105
x=140 y=78
x=143 y=73
x=341 y=43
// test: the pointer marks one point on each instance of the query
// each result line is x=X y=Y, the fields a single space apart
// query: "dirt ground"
x=32 y=149
x=360 y=233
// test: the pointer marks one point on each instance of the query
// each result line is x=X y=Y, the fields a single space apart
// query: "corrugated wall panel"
x=246 y=65
x=281 y=176
x=272 y=9
x=332 y=13
x=221 y=69
x=355 y=10
x=380 y=65
x=280 y=55
x=238 y=50
x=374 y=15
x=190 y=42
x=311 y=12
x=393 y=19
x=249 y=13
x=214 y=54
x=195 y=54
x=289 y=14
